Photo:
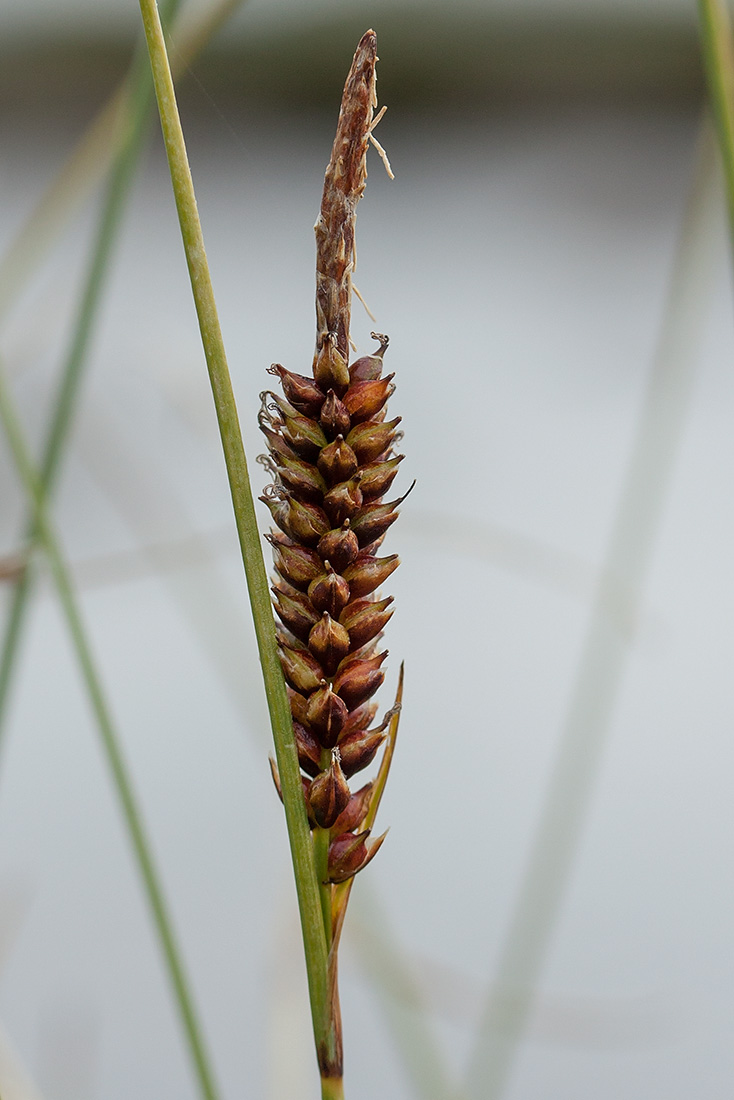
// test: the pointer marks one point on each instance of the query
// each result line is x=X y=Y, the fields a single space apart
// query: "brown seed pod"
x=329 y=592
x=328 y=795
x=338 y=462
x=326 y=714
x=366 y=573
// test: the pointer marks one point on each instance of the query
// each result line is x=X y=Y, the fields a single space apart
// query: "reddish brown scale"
x=295 y=612
x=301 y=392
x=377 y=477
x=364 y=619
x=370 y=440
x=354 y=812
x=359 y=681
x=299 y=565
x=309 y=749
x=366 y=573
x=361 y=718
x=298 y=705
x=364 y=400
x=358 y=749
x=277 y=445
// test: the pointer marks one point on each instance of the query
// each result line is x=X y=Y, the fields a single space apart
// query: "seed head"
x=331 y=453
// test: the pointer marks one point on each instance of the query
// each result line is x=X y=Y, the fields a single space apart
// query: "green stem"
x=139 y=107
x=121 y=779
x=299 y=834
x=332 y=1088
x=321 y=858
x=718 y=57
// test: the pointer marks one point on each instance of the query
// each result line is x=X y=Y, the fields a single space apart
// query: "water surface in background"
x=520 y=264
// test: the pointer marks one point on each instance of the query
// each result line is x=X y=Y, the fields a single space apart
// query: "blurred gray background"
x=551 y=263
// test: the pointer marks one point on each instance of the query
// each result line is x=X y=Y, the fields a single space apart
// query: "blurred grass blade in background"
x=135 y=116
x=717 y=47
x=614 y=615
x=110 y=744
x=403 y=1007
x=95 y=152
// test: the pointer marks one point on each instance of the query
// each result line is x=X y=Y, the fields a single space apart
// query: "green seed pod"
x=372 y=521
x=330 y=368
x=280 y=511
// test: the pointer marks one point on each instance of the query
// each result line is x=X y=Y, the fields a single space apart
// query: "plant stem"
x=314 y=938
x=321 y=859
x=332 y=1088
x=717 y=47
x=121 y=779
x=138 y=112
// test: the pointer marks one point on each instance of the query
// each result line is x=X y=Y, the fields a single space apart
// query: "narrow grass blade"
x=92 y=158
x=244 y=509
x=134 y=121
x=393 y=981
x=613 y=616
x=717 y=47
x=110 y=742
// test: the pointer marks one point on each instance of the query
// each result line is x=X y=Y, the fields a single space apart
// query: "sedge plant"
x=331 y=454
